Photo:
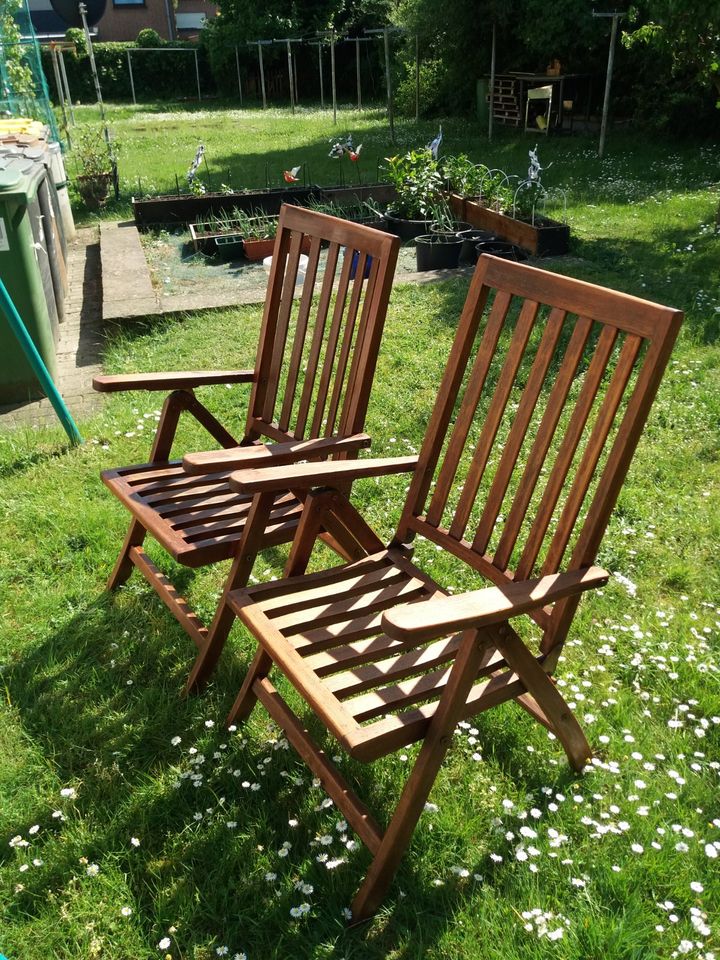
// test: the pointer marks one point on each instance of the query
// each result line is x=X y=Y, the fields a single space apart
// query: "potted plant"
x=95 y=163
x=440 y=248
x=418 y=184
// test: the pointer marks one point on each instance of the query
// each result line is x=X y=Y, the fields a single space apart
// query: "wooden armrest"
x=307 y=475
x=270 y=455
x=426 y=619
x=174 y=380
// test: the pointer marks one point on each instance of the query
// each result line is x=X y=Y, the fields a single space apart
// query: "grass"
x=91 y=683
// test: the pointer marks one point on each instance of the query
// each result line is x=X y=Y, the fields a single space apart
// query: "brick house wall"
x=124 y=19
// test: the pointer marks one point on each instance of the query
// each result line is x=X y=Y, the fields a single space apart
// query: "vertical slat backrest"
x=538 y=416
x=321 y=327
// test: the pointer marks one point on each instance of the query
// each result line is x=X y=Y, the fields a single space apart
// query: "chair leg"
x=418 y=786
x=247 y=698
x=557 y=713
x=239 y=575
x=123 y=565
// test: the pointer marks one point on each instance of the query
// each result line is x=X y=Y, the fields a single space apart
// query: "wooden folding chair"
x=540 y=409
x=311 y=384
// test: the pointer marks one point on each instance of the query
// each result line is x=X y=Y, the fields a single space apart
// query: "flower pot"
x=405 y=229
x=500 y=248
x=258 y=249
x=470 y=239
x=437 y=251
x=94 y=189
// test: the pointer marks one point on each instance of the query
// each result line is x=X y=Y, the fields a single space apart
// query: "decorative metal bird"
x=355 y=154
x=291 y=176
x=434 y=145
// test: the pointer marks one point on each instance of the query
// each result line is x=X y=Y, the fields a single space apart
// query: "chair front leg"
x=247 y=551
x=417 y=788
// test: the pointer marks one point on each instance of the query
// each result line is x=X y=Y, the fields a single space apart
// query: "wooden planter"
x=185 y=208
x=259 y=249
x=544 y=238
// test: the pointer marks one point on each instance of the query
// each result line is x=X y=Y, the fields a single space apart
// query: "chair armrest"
x=426 y=619
x=307 y=475
x=270 y=455
x=174 y=380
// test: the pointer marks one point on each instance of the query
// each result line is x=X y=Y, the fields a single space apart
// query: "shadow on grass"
x=100 y=696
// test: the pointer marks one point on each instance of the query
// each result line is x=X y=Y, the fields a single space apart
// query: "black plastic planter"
x=405 y=229
x=499 y=248
x=435 y=251
x=470 y=239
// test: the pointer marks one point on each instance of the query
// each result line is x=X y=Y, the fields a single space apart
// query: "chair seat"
x=373 y=692
x=197 y=519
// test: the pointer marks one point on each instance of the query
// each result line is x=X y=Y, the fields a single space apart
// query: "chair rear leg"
x=556 y=714
x=123 y=565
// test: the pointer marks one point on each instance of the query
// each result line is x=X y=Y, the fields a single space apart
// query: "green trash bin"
x=25 y=271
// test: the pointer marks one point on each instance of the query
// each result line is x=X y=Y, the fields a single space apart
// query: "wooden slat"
x=565 y=454
x=342 y=362
x=306 y=475
x=233 y=521
x=471 y=398
x=331 y=347
x=348 y=683
x=442 y=412
x=518 y=431
x=269 y=454
x=491 y=424
x=320 y=614
x=306 y=581
x=176 y=604
x=541 y=444
x=333 y=590
x=300 y=331
x=355 y=812
x=366 y=346
x=591 y=455
x=283 y=324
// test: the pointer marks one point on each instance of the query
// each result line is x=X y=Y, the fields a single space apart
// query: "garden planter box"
x=544 y=238
x=174 y=209
x=259 y=249
x=381 y=193
x=204 y=236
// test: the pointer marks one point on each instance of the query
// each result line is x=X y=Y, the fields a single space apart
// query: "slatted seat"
x=311 y=383
x=549 y=383
x=197 y=519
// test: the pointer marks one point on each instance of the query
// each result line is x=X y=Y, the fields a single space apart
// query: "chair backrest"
x=321 y=327
x=540 y=93
x=539 y=412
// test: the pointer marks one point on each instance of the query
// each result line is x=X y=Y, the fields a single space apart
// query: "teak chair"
x=525 y=453
x=310 y=389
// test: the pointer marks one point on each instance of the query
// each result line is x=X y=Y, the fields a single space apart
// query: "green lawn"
x=120 y=848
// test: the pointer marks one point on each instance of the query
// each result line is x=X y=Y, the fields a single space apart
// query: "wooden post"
x=237 y=67
x=93 y=67
x=297 y=95
x=63 y=74
x=132 y=81
x=332 y=73
x=61 y=92
x=262 y=75
x=320 y=73
x=290 y=76
x=391 y=118
x=197 y=74
x=491 y=111
x=357 y=71
x=417 y=78
x=616 y=17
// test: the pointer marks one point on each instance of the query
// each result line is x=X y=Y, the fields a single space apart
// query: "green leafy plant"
x=92 y=153
x=496 y=192
x=416 y=178
x=464 y=176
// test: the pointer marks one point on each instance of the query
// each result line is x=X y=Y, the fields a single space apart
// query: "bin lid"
x=9 y=179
